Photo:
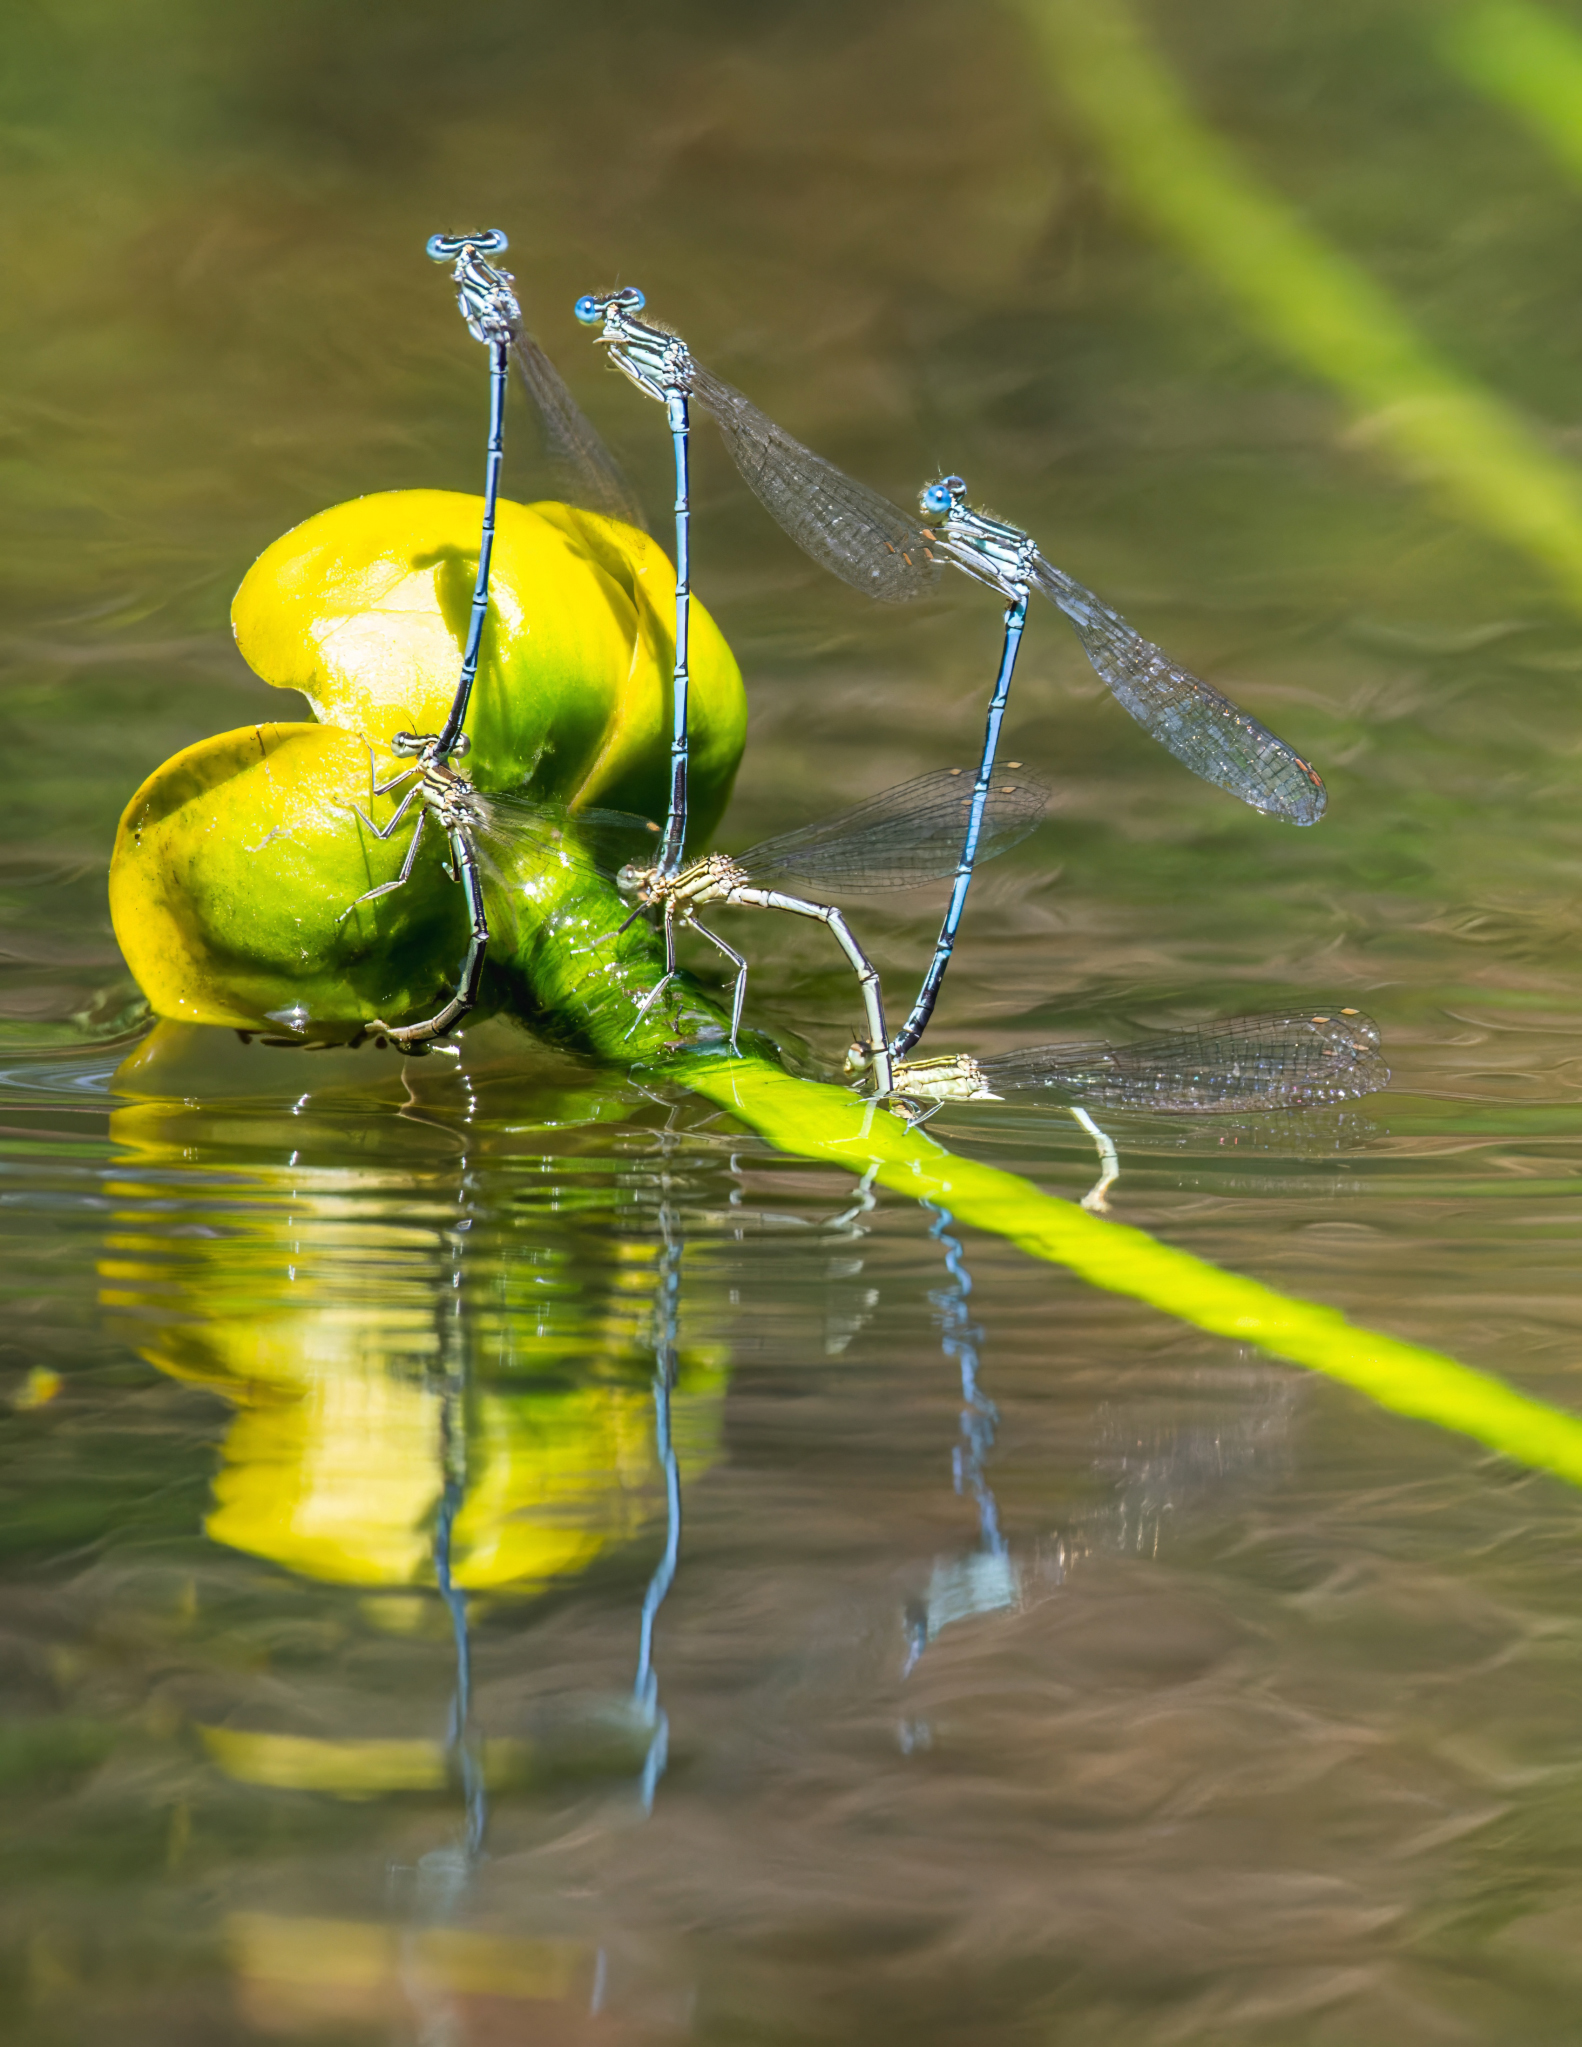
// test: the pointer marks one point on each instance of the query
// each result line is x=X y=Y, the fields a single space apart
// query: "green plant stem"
x=571 y=975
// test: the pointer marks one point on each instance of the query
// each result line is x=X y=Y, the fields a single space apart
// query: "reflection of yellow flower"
x=310 y=1302
x=237 y=859
x=303 y=1975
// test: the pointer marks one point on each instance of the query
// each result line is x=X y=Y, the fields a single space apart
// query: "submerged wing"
x=1295 y=1059
x=847 y=528
x=584 y=470
x=1203 y=729
x=910 y=834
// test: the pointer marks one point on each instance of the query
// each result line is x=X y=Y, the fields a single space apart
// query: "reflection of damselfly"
x=1202 y=728
x=1291 y=1059
x=985 y=1580
x=847 y=528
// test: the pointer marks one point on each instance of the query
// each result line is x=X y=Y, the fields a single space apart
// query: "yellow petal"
x=232 y=875
x=364 y=609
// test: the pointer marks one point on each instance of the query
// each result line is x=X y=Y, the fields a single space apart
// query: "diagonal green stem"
x=583 y=987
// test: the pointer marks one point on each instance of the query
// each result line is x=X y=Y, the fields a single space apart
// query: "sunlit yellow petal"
x=364 y=608
x=233 y=871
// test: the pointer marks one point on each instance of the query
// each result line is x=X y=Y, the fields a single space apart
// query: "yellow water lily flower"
x=238 y=860
x=319 y=1315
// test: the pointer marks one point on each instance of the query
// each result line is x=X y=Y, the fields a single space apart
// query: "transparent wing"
x=847 y=528
x=585 y=471
x=1296 y=1059
x=599 y=841
x=1203 y=729
x=910 y=834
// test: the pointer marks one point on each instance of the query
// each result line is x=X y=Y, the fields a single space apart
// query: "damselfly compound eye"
x=586 y=310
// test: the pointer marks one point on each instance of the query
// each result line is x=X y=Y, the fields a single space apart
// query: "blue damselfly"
x=847 y=528
x=590 y=477
x=1201 y=727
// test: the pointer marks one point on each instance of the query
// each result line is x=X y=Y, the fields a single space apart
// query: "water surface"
x=1035 y=1665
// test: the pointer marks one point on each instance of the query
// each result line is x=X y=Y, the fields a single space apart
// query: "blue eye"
x=936 y=498
x=587 y=310
x=633 y=299
x=442 y=248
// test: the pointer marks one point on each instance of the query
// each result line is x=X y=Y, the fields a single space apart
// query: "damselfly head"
x=407 y=743
x=593 y=307
x=859 y=1057
x=637 y=878
x=487 y=241
x=942 y=498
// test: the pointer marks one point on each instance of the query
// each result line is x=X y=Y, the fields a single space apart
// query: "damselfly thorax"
x=954 y=1077
x=712 y=879
x=448 y=797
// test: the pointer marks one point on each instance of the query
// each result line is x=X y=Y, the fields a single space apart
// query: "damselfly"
x=1290 y=1059
x=460 y=813
x=589 y=474
x=493 y=317
x=1202 y=728
x=905 y=836
x=845 y=527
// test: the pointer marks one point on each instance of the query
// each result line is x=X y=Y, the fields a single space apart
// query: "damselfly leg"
x=450 y=799
x=388 y=829
x=1109 y=1164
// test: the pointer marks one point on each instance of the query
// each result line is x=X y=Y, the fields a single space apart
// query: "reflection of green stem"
x=1529 y=59
x=590 y=985
x=1307 y=298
